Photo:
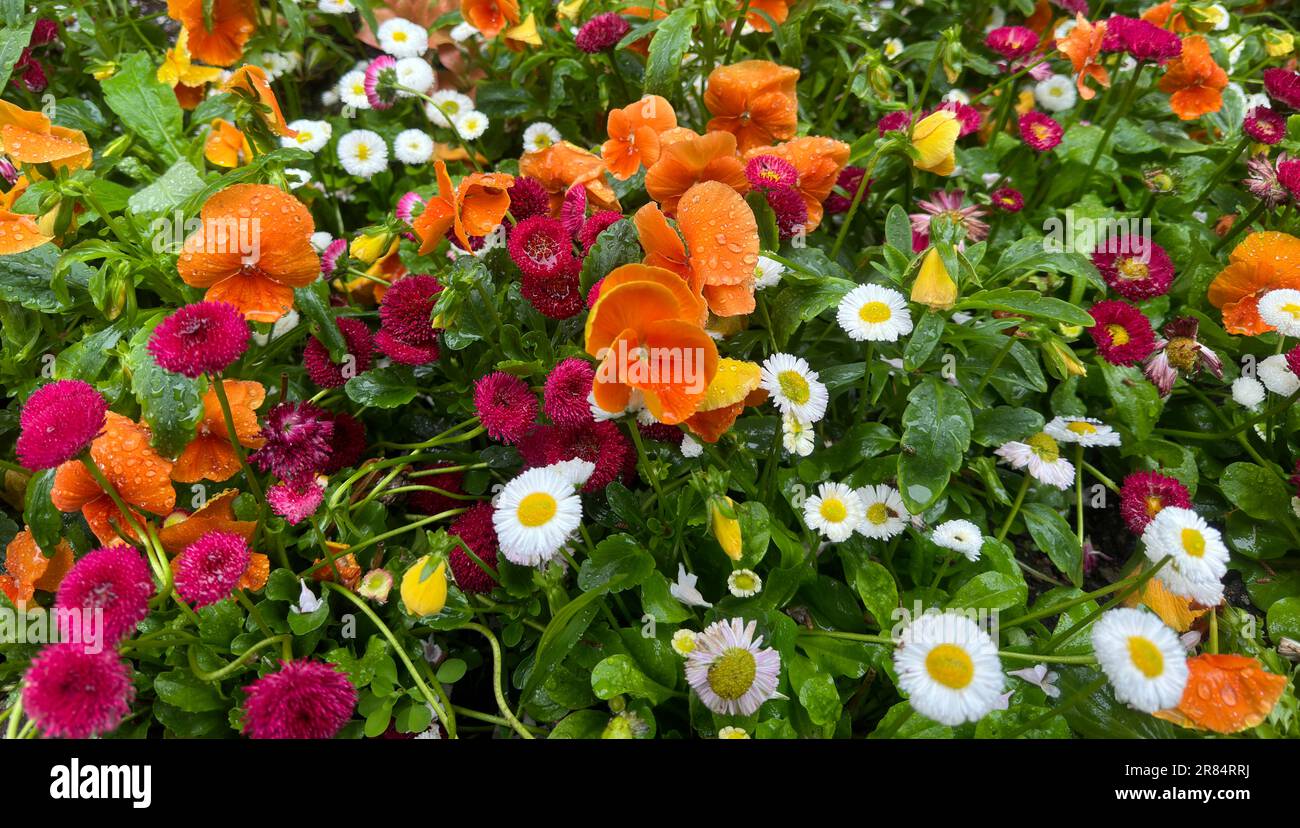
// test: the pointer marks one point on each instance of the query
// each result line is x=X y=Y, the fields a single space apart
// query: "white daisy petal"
x=872 y=313
x=535 y=514
x=949 y=668
x=1143 y=659
x=794 y=386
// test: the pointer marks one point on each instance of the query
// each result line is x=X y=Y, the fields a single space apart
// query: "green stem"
x=1239 y=226
x=993 y=366
x=219 y=388
x=1222 y=168
x=735 y=32
x=1125 y=100
x=502 y=703
x=857 y=200
x=244 y=658
x=1078 y=491
x=1015 y=508
x=1070 y=701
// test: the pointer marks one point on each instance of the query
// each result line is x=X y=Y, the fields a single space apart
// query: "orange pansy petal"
x=141 y=476
x=730 y=300
x=721 y=234
x=484 y=200
x=27 y=564
x=37 y=147
x=260 y=299
x=73 y=487
x=207 y=457
x=233 y=22
x=19 y=233
x=257 y=573
x=217 y=514
x=1226 y=694
x=628 y=307
x=709 y=426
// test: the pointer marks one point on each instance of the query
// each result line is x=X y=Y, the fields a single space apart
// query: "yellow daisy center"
x=1193 y=543
x=1118 y=334
x=1080 y=427
x=363 y=152
x=1045 y=447
x=877 y=513
x=536 y=509
x=834 y=510
x=950 y=665
x=1132 y=269
x=1146 y=657
x=743 y=581
x=1154 y=504
x=399 y=36
x=1292 y=309
x=794 y=387
x=873 y=313
x=732 y=673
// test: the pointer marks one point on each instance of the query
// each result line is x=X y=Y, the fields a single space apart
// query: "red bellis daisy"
x=58 y=423
x=1123 y=333
x=75 y=694
x=303 y=700
x=506 y=406
x=202 y=338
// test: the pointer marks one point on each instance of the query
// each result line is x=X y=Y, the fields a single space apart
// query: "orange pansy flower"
x=818 y=162
x=645 y=330
x=490 y=16
x=778 y=10
x=253 y=249
x=30 y=138
x=1225 y=694
x=1082 y=46
x=210 y=455
x=474 y=208
x=687 y=162
x=233 y=22
x=1262 y=262
x=562 y=165
x=1194 y=81
x=663 y=247
x=721 y=236
x=27 y=569
x=226 y=146
x=251 y=81
x=634 y=135
x=218 y=514
x=19 y=231
x=1162 y=14
x=345 y=562
x=141 y=476
x=755 y=101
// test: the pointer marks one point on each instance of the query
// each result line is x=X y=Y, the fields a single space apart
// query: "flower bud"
x=726 y=529
x=425 y=593
x=370 y=246
x=934 y=287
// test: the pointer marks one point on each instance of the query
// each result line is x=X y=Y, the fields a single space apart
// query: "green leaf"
x=566 y=627
x=667 y=48
x=44 y=521
x=1284 y=619
x=1030 y=303
x=1100 y=716
x=1255 y=491
x=898 y=230
x=995 y=426
x=580 y=724
x=167 y=193
x=180 y=689
x=1055 y=537
x=1137 y=402
x=991 y=590
x=382 y=388
x=25 y=279
x=616 y=563
x=313 y=302
x=619 y=675
x=929 y=328
x=801 y=301
x=659 y=602
x=936 y=433
x=145 y=105
x=616 y=245
x=878 y=591
x=12 y=42
x=171 y=403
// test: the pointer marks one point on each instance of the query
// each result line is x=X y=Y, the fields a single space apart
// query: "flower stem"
x=735 y=32
x=1222 y=168
x=857 y=199
x=219 y=388
x=502 y=702
x=1239 y=226
x=1015 y=508
x=1070 y=701
x=1125 y=101
x=244 y=658
x=1078 y=491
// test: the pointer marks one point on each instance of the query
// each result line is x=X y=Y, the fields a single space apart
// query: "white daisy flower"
x=883 y=512
x=462 y=32
x=767 y=273
x=1199 y=560
x=1040 y=677
x=1056 y=93
x=414 y=74
x=471 y=124
x=445 y=105
x=960 y=536
x=794 y=386
x=796 y=435
x=1142 y=657
x=276 y=64
x=1281 y=309
x=1277 y=376
x=835 y=511
x=329 y=97
x=1041 y=455
x=336 y=6
x=730 y=670
x=871 y=313
x=312 y=135
x=957 y=95
x=891 y=48
x=691 y=447
x=744 y=583
x=685 y=591
x=683 y=642
x=320 y=240
x=401 y=38
x=352 y=90
x=363 y=153
x=730 y=732
x=1248 y=392
x=535 y=514
x=296 y=177
x=949 y=668
x=1085 y=431
x=413 y=146
x=541 y=135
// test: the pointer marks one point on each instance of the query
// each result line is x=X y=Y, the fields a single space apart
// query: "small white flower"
x=307 y=600
x=1040 y=677
x=684 y=590
x=1219 y=14
x=296 y=177
x=577 y=471
x=363 y=153
x=336 y=6
x=891 y=48
x=352 y=90
x=691 y=447
x=413 y=146
x=541 y=135
x=1248 y=392
x=329 y=97
x=1085 y=431
x=535 y=514
x=872 y=313
x=949 y=668
x=744 y=583
x=730 y=732
x=471 y=124
x=960 y=536
x=767 y=273
x=683 y=642
x=1143 y=659
x=1277 y=376
x=883 y=512
x=1041 y=456
x=1281 y=309
x=445 y=105
x=312 y=135
x=794 y=386
x=401 y=38
x=1056 y=93
x=462 y=32
x=957 y=95
x=835 y=511
x=1198 y=558
x=320 y=240
x=796 y=435
x=413 y=74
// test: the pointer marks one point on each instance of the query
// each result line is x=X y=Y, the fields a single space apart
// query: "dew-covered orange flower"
x=734 y=387
x=252 y=250
x=646 y=331
x=19 y=231
x=1225 y=694
x=1261 y=262
x=755 y=101
x=778 y=10
x=475 y=207
x=1194 y=81
x=685 y=163
x=210 y=455
x=226 y=146
x=30 y=138
x=141 y=476
x=1083 y=46
x=185 y=78
x=217 y=29
x=345 y=563
x=818 y=162
x=562 y=165
x=28 y=569
x=1164 y=16
x=490 y=16
x=217 y=515
x=251 y=82
x=634 y=135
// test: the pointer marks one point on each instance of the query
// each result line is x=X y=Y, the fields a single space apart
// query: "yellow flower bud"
x=525 y=32
x=726 y=529
x=1278 y=43
x=933 y=286
x=424 y=595
x=367 y=247
x=934 y=139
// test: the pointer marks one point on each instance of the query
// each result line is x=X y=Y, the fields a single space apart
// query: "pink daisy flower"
x=329 y=258
x=475 y=528
x=1123 y=333
x=556 y=296
x=899 y=121
x=528 y=198
x=361 y=347
x=594 y=293
x=601 y=33
x=1264 y=125
x=381 y=78
x=1288 y=175
x=58 y=423
x=298 y=440
x=949 y=205
x=505 y=405
x=202 y=338
x=1007 y=199
x=1141 y=39
x=404 y=354
x=1141 y=270
x=209 y=569
x=968 y=116
x=113 y=583
x=767 y=172
x=406 y=311
x=409 y=207
x=573 y=210
x=601 y=443
x=564 y=398
x=540 y=247
x=598 y=223
x=1144 y=494
x=304 y=699
x=1040 y=131
x=347 y=442
x=1283 y=86
x=1262 y=181
x=1012 y=42
x=296 y=500
x=74 y=694
x=790 y=209
x=1293 y=360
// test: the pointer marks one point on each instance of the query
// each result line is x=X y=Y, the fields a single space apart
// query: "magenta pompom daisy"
x=111 y=587
x=597 y=223
x=730 y=670
x=409 y=207
x=1007 y=199
x=790 y=209
x=406 y=312
x=540 y=247
x=557 y=296
x=1012 y=42
x=476 y=529
x=846 y=188
x=361 y=347
x=296 y=500
x=528 y=198
x=1141 y=39
x=75 y=694
x=1288 y=176
x=1123 y=333
x=202 y=338
x=381 y=76
x=304 y=699
x=1143 y=494
x=1283 y=86
x=899 y=121
x=601 y=33
x=768 y=171
x=347 y=442
x=564 y=398
x=59 y=421
x=505 y=405
x=297 y=436
x=1139 y=270
x=209 y=569
x=1264 y=125
x=1040 y=131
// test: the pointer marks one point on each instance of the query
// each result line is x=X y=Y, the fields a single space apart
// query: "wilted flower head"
x=1180 y=353
x=298 y=440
